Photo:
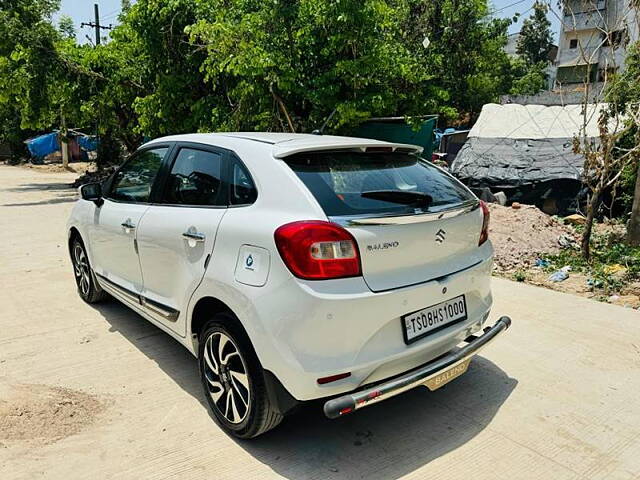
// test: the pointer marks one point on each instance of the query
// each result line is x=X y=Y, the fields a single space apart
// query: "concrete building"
x=512 y=46
x=511 y=49
x=593 y=38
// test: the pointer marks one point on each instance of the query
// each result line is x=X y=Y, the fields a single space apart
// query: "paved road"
x=556 y=398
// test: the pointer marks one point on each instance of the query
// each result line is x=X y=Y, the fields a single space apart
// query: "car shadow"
x=387 y=440
x=51 y=186
x=62 y=199
x=64 y=193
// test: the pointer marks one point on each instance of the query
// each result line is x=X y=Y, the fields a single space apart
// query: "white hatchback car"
x=295 y=267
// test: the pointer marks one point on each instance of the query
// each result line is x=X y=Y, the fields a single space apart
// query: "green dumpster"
x=396 y=129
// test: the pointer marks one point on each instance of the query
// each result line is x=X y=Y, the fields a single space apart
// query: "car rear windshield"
x=338 y=181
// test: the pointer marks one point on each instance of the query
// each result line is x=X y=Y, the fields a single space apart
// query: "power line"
x=96 y=24
x=508 y=6
x=110 y=14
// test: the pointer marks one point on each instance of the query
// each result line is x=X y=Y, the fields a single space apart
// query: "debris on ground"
x=575 y=219
x=542 y=263
x=524 y=235
x=533 y=247
x=44 y=414
x=616 y=271
x=558 y=276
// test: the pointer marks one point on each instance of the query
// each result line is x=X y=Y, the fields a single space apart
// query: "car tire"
x=88 y=288
x=233 y=379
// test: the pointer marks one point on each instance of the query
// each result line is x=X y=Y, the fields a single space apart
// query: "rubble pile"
x=523 y=234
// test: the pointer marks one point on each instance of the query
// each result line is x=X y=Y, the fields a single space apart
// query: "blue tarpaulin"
x=90 y=144
x=43 y=145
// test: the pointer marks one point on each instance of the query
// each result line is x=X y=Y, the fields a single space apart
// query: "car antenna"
x=321 y=131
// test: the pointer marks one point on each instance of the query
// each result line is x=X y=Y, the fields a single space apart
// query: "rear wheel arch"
x=204 y=310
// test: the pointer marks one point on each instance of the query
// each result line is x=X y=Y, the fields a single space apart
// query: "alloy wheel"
x=226 y=375
x=81 y=269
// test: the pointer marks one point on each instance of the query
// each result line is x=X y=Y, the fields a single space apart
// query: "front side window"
x=352 y=183
x=195 y=179
x=133 y=182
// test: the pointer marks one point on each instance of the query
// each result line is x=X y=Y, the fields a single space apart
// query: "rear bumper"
x=425 y=375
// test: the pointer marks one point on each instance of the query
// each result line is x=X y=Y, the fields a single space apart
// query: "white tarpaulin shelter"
x=514 y=145
x=536 y=121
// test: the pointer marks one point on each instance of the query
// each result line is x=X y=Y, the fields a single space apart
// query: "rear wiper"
x=418 y=199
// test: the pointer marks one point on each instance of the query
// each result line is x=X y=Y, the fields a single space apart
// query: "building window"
x=604 y=74
x=615 y=38
x=573 y=43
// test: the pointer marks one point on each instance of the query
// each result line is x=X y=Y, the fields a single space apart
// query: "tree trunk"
x=633 y=229
x=592 y=205
x=64 y=146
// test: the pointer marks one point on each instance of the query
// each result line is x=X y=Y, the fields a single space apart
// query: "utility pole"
x=96 y=11
x=96 y=24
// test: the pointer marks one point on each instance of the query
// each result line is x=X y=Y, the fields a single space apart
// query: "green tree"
x=527 y=79
x=66 y=27
x=535 y=41
x=623 y=92
x=30 y=75
x=466 y=56
x=203 y=65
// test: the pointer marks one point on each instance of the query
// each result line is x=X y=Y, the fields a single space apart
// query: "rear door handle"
x=197 y=236
x=128 y=224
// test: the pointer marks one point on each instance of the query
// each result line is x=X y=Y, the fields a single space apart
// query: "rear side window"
x=195 y=179
x=242 y=191
x=338 y=181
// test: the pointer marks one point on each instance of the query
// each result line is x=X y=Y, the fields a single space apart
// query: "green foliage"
x=528 y=80
x=204 y=65
x=66 y=27
x=535 y=41
x=606 y=250
x=466 y=55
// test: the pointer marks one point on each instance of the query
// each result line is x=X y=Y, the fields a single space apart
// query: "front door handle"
x=193 y=235
x=128 y=224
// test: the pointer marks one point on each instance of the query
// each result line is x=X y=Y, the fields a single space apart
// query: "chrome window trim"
x=394 y=219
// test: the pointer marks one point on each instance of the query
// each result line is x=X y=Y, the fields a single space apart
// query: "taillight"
x=317 y=250
x=484 y=233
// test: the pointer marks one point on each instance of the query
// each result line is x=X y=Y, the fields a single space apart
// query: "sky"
x=82 y=11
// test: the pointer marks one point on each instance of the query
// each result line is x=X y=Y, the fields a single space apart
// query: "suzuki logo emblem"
x=440 y=236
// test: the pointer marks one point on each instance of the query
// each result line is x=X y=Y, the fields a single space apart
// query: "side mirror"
x=92 y=192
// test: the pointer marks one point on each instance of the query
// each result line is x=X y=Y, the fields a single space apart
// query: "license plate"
x=423 y=322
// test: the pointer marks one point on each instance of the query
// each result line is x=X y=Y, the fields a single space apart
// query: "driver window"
x=195 y=179
x=134 y=180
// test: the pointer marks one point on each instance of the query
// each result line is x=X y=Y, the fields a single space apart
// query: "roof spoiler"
x=283 y=150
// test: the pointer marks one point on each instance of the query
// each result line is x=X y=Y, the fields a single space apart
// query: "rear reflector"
x=484 y=233
x=318 y=250
x=333 y=378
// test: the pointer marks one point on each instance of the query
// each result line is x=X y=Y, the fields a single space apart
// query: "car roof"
x=286 y=144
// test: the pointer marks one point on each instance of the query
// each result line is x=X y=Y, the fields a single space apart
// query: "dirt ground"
x=73 y=167
x=520 y=236
x=98 y=392
x=523 y=235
